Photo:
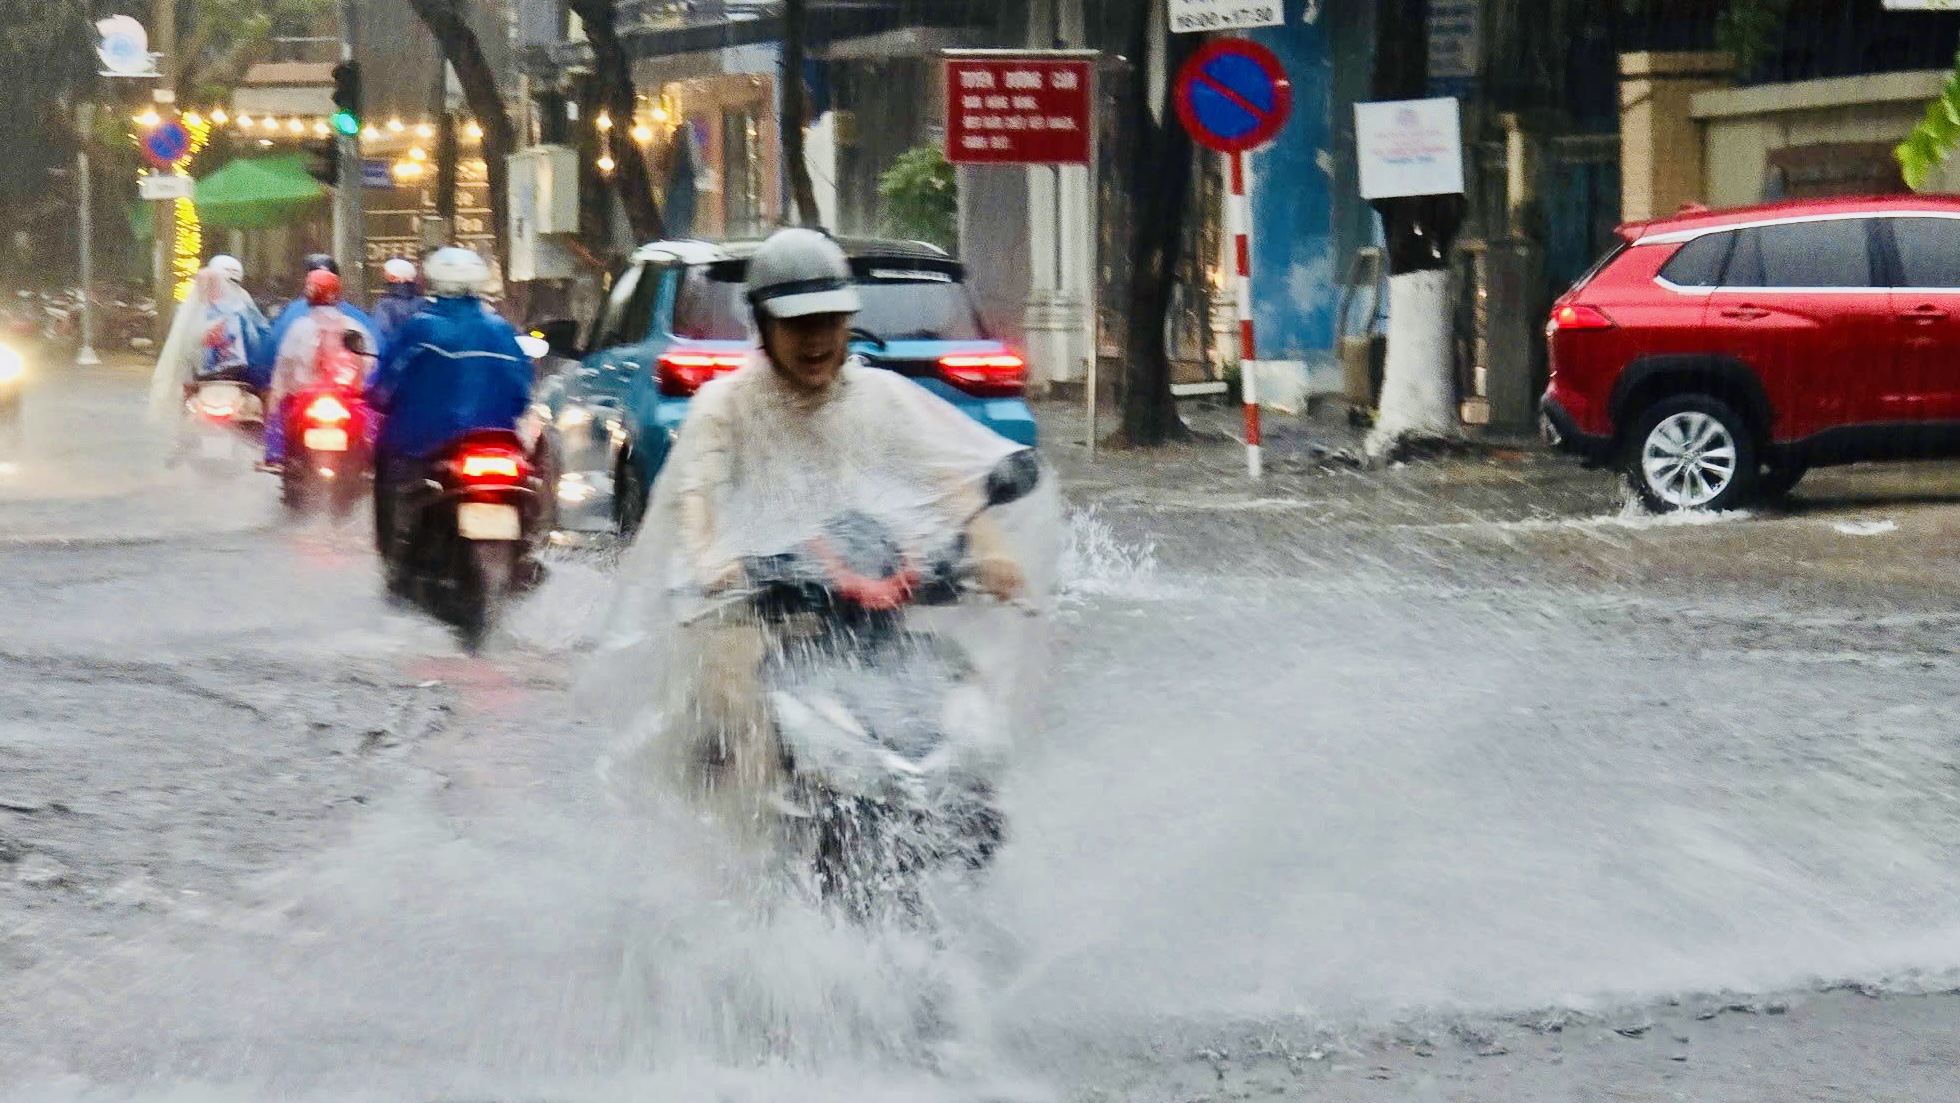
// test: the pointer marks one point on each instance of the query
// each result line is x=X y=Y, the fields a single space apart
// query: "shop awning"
x=255 y=192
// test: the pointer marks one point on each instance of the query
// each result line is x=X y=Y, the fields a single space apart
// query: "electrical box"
x=547 y=178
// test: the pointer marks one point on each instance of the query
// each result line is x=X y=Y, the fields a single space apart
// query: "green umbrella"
x=256 y=192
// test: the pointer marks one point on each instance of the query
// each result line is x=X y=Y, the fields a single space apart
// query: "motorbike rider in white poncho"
x=769 y=454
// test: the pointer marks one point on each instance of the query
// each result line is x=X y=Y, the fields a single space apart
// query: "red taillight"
x=988 y=375
x=488 y=466
x=1577 y=317
x=327 y=410
x=682 y=371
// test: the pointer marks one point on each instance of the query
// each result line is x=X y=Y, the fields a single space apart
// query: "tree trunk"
x=460 y=48
x=796 y=18
x=613 y=75
x=1418 y=387
x=1160 y=178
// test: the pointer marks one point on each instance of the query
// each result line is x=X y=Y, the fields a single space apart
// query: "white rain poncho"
x=298 y=364
x=213 y=331
x=759 y=469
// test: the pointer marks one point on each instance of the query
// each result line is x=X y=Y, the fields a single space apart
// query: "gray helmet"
x=799 y=272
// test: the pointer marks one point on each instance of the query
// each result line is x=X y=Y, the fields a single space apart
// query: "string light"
x=193 y=119
x=605 y=163
x=244 y=122
x=474 y=130
x=370 y=133
x=417 y=154
x=149 y=117
x=188 y=253
x=321 y=129
x=603 y=122
x=395 y=126
x=660 y=115
x=296 y=126
x=643 y=134
x=218 y=116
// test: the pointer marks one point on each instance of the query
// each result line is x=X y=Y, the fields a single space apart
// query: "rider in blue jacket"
x=450 y=369
x=401 y=301
x=266 y=352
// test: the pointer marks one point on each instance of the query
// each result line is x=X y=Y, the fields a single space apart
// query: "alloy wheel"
x=1689 y=459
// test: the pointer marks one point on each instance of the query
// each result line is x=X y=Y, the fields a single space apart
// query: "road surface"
x=1453 y=782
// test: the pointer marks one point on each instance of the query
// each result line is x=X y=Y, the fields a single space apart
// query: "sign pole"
x=86 y=355
x=1240 y=212
x=1091 y=371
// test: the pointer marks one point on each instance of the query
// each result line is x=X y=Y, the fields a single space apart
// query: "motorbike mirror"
x=560 y=335
x=354 y=341
x=1013 y=478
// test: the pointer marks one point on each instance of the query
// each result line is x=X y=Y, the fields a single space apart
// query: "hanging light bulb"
x=321 y=129
x=219 y=117
x=643 y=133
x=474 y=130
x=603 y=122
x=416 y=153
x=605 y=162
x=370 y=133
x=149 y=117
x=193 y=120
x=660 y=114
x=424 y=131
x=296 y=126
x=245 y=122
x=395 y=126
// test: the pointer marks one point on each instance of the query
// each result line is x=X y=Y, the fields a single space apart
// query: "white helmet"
x=801 y=272
x=228 y=266
x=454 y=271
x=398 y=270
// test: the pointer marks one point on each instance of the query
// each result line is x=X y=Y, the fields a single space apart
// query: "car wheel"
x=1692 y=452
x=629 y=497
x=1779 y=479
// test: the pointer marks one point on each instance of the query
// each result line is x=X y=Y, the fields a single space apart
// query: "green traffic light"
x=346 y=123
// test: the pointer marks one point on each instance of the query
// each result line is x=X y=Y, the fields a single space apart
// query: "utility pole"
x=163 y=213
x=439 y=229
x=87 y=232
x=349 y=233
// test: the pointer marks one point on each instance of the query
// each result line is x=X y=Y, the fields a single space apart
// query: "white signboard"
x=1192 y=16
x=171 y=186
x=1922 y=5
x=1409 y=147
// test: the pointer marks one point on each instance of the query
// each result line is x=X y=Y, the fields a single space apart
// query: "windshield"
x=904 y=300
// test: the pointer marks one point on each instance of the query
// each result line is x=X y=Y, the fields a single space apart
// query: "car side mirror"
x=561 y=335
x=1013 y=478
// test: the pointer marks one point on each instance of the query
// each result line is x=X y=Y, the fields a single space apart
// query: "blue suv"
x=678 y=315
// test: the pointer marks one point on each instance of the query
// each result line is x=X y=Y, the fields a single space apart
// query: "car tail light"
x=1577 y=317
x=485 y=465
x=987 y=375
x=683 y=371
x=327 y=410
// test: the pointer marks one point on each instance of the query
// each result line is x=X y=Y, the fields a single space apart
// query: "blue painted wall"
x=1304 y=207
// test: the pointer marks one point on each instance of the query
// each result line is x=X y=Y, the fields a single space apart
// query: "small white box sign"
x=1409 y=147
x=1193 y=16
x=173 y=186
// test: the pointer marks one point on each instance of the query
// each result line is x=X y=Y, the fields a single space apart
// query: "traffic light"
x=323 y=161
x=347 y=98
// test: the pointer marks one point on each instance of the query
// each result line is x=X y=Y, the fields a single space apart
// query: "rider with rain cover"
x=800 y=440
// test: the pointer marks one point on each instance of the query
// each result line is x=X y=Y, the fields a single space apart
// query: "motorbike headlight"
x=12 y=365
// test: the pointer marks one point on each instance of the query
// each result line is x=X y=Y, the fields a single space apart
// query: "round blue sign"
x=1233 y=95
x=167 y=143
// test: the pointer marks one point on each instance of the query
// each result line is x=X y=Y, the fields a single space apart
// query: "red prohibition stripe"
x=1245 y=340
x=1245 y=255
x=1238 y=174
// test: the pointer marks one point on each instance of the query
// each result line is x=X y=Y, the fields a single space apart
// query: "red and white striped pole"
x=1238 y=215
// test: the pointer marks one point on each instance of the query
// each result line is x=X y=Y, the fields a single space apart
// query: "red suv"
x=1717 y=356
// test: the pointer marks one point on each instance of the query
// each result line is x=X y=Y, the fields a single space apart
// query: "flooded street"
x=1455 y=781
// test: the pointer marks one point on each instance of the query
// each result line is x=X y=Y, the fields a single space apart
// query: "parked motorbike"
x=885 y=732
x=329 y=437
x=461 y=545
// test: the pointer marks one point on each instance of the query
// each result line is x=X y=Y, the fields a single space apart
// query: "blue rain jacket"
x=450 y=369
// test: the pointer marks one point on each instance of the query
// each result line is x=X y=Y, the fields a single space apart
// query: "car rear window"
x=904 y=300
x=1828 y=253
x=1929 y=251
x=1699 y=262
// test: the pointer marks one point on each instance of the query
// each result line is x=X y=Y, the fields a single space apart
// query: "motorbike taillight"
x=489 y=465
x=328 y=410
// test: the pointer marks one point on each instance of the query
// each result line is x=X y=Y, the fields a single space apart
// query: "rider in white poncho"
x=769 y=454
x=212 y=335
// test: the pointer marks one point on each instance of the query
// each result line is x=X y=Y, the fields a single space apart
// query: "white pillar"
x=1061 y=238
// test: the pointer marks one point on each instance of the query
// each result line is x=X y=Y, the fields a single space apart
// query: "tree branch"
x=613 y=74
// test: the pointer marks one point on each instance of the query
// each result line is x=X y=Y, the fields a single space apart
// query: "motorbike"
x=224 y=415
x=329 y=437
x=884 y=729
x=461 y=546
